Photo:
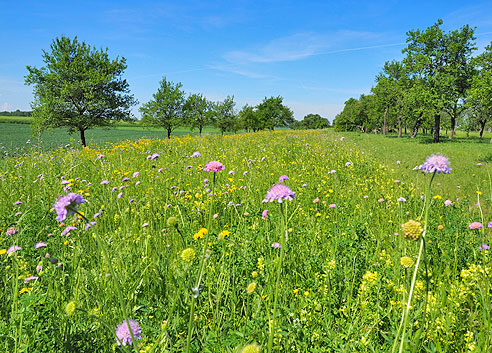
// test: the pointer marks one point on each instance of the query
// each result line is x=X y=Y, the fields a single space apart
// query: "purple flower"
x=279 y=192
x=104 y=182
x=332 y=205
x=13 y=248
x=366 y=196
x=196 y=154
x=282 y=178
x=11 y=231
x=68 y=229
x=448 y=203
x=479 y=164
x=135 y=174
x=131 y=200
x=347 y=164
x=475 y=225
x=119 y=195
x=91 y=224
x=402 y=199
x=124 y=335
x=145 y=225
x=436 y=163
x=40 y=245
x=264 y=214
x=381 y=200
x=39 y=268
x=99 y=156
x=214 y=166
x=153 y=156
x=483 y=247
x=489 y=225
x=17 y=203
x=245 y=172
x=66 y=205
x=189 y=167
x=125 y=179
x=97 y=215
x=276 y=246
x=30 y=278
x=231 y=172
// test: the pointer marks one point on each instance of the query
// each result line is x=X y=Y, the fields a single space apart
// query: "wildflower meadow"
x=282 y=241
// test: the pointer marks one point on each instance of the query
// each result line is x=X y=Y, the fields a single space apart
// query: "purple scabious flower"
x=67 y=205
x=153 y=156
x=282 y=178
x=276 y=245
x=11 y=231
x=13 y=248
x=91 y=224
x=104 y=182
x=436 y=163
x=279 y=192
x=448 y=203
x=125 y=179
x=214 y=166
x=135 y=174
x=124 y=335
x=99 y=156
x=196 y=154
x=475 y=225
x=40 y=245
x=264 y=214
x=68 y=229
x=30 y=278
x=483 y=247
x=17 y=203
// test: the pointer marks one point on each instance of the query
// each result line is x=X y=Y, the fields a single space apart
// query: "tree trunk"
x=415 y=129
x=482 y=128
x=82 y=137
x=399 y=125
x=385 y=121
x=405 y=128
x=169 y=130
x=453 y=120
x=201 y=128
x=437 y=126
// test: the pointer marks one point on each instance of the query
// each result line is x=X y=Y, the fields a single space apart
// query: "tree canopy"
x=79 y=88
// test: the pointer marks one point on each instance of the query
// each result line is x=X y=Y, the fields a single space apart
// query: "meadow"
x=201 y=258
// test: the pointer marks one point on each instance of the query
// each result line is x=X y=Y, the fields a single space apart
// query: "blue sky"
x=315 y=54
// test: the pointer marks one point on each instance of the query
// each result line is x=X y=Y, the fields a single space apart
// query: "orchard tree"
x=437 y=57
x=165 y=109
x=224 y=117
x=250 y=119
x=79 y=88
x=274 y=114
x=197 y=111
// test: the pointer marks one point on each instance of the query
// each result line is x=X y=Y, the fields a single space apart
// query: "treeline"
x=16 y=113
x=438 y=85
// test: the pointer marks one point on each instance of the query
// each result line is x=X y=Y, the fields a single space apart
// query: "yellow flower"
x=70 y=308
x=306 y=293
x=2 y=251
x=406 y=262
x=251 y=287
x=24 y=290
x=188 y=255
x=412 y=230
x=438 y=197
x=251 y=348
x=254 y=274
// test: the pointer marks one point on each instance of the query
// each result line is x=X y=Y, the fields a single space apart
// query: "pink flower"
x=214 y=166
x=436 y=163
x=381 y=200
x=448 y=203
x=475 y=225
x=347 y=164
x=279 y=192
x=40 y=245
x=282 y=178
x=135 y=174
x=264 y=214
x=332 y=205
x=316 y=200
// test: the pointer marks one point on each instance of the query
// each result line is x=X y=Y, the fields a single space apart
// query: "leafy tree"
x=250 y=119
x=479 y=101
x=196 y=111
x=79 y=88
x=224 y=117
x=165 y=109
x=436 y=57
x=315 y=121
x=274 y=114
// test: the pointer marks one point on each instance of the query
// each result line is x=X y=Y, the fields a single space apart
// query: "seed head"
x=412 y=230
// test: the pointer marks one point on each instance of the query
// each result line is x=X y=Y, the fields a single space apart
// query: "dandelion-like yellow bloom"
x=254 y=274
x=188 y=255
x=412 y=230
x=251 y=287
x=406 y=262
x=251 y=348
x=70 y=308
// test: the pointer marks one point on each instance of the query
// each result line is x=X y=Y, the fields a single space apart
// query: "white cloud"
x=5 y=107
x=302 y=45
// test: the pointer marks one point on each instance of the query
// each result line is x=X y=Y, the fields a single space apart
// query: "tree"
x=315 y=121
x=250 y=119
x=479 y=100
x=79 y=88
x=166 y=108
x=437 y=57
x=196 y=111
x=224 y=117
x=274 y=114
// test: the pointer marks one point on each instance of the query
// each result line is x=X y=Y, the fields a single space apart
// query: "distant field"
x=14 y=135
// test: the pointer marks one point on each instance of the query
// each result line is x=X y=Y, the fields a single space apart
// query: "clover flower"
x=214 y=166
x=67 y=205
x=124 y=335
x=279 y=192
x=436 y=163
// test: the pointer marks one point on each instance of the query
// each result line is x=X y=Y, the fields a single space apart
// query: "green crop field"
x=187 y=240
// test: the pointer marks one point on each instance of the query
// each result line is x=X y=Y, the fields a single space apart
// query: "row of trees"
x=80 y=87
x=15 y=113
x=170 y=108
x=437 y=84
